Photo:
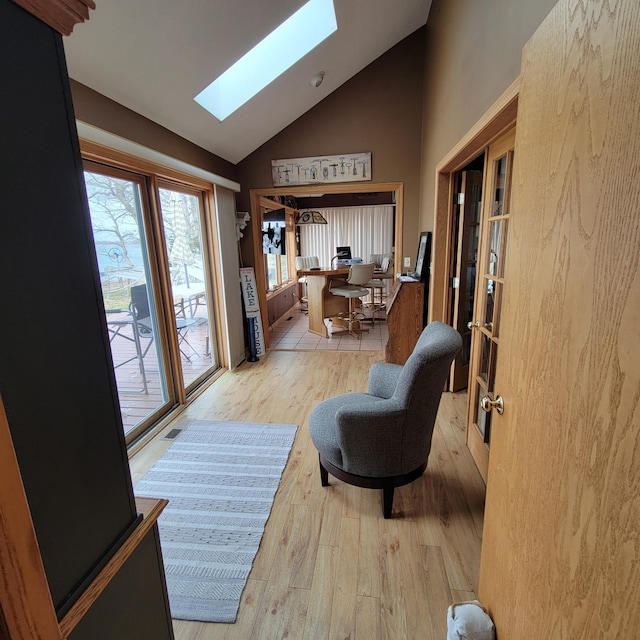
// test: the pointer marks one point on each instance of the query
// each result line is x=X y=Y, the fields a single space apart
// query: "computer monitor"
x=343 y=253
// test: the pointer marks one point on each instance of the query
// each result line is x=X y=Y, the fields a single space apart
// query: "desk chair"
x=382 y=274
x=383 y=263
x=359 y=275
x=304 y=263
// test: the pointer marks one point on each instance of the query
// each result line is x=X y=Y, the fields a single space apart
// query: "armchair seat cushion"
x=338 y=421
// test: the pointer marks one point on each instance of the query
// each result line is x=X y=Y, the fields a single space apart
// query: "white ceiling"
x=154 y=56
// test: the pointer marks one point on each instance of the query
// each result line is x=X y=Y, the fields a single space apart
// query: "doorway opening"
x=309 y=191
x=466 y=208
x=448 y=244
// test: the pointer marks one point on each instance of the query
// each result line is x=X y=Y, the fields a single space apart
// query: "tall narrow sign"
x=252 y=306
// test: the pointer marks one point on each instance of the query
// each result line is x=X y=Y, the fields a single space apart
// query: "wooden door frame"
x=496 y=120
x=349 y=187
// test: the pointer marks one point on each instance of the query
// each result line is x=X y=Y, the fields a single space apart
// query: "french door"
x=155 y=272
x=490 y=290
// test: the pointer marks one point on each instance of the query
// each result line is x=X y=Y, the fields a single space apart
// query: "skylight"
x=294 y=38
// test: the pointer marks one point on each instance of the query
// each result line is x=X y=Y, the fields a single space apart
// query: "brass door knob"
x=487 y=404
x=473 y=325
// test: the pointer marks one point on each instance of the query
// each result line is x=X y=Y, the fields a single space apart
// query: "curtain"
x=366 y=230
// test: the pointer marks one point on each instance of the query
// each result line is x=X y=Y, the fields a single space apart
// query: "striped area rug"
x=220 y=479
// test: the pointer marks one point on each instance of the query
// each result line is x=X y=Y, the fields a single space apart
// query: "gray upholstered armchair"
x=381 y=439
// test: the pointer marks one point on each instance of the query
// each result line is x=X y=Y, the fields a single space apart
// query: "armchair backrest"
x=304 y=263
x=420 y=387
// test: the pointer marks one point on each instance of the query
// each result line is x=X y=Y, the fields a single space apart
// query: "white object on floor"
x=469 y=621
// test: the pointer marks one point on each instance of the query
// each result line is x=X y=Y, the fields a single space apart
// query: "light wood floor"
x=329 y=566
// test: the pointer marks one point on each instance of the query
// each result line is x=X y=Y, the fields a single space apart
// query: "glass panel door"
x=183 y=219
x=119 y=217
x=490 y=289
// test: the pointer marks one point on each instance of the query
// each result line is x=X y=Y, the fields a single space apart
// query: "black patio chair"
x=143 y=324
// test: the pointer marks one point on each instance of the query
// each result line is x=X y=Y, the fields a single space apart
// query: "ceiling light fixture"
x=310 y=217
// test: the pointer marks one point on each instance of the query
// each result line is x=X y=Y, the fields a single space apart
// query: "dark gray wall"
x=56 y=376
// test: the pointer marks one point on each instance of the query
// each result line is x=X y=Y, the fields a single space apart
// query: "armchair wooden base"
x=387 y=484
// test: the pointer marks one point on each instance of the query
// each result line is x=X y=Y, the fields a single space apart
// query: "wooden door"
x=561 y=541
x=467 y=201
x=490 y=289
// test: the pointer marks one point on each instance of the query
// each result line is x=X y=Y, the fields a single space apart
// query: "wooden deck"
x=136 y=402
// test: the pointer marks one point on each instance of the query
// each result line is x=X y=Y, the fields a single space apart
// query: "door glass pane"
x=493 y=361
x=496 y=300
x=494 y=266
x=488 y=360
x=483 y=419
x=489 y=304
x=181 y=217
x=485 y=354
x=499 y=188
x=119 y=236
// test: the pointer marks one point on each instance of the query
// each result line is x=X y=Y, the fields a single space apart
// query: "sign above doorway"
x=348 y=167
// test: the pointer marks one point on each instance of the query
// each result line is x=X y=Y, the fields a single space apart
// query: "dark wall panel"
x=56 y=378
x=134 y=605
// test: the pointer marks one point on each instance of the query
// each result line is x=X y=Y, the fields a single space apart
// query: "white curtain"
x=366 y=230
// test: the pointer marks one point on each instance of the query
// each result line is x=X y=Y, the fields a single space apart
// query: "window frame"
x=155 y=176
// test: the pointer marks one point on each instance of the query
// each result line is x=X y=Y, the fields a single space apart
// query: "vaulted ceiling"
x=154 y=56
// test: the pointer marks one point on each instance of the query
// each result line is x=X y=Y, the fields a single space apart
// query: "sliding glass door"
x=182 y=213
x=119 y=211
x=156 y=279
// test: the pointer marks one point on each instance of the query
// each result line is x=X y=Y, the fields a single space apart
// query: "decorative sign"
x=252 y=306
x=350 y=167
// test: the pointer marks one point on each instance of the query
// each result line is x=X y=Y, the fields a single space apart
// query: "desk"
x=405 y=309
x=322 y=303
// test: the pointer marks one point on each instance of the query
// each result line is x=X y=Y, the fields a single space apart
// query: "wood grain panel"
x=561 y=541
x=62 y=15
x=404 y=320
x=26 y=607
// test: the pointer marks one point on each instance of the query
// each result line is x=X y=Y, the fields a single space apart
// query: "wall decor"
x=252 y=307
x=348 y=167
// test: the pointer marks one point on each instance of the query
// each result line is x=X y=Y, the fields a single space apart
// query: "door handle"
x=487 y=404
x=473 y=325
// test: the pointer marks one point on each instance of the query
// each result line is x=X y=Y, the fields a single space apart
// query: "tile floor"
x=291 y=333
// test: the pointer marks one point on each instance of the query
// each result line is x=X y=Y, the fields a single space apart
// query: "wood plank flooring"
x=329 y=566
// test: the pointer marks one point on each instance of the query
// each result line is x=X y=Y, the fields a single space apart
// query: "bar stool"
x=304 y=263
x=359 y=276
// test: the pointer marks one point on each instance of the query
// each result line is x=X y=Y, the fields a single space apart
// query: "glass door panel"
x=120 y=236
x=491 y=287
x=182 y=220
